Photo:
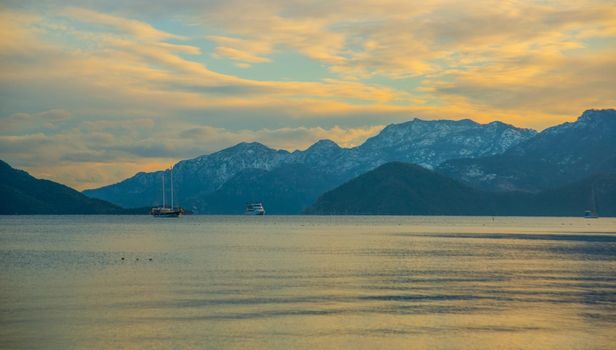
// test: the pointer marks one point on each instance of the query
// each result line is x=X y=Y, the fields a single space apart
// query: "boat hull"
x=166 y=212
x=167 y=215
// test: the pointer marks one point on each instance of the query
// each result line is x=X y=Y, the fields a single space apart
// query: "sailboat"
x=592 y=213
x=163 y=211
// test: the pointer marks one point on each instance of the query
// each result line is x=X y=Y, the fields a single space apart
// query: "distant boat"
x=163 y=211
x=254 y=209
x=588 y=214
x=592 y=213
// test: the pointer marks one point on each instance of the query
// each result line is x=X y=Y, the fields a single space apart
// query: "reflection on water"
x=307 y=282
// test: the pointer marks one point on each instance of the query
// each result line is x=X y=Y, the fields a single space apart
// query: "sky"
x=93 y=91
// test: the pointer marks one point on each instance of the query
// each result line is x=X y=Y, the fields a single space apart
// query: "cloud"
x=136 y=68
x=18 y=122
x=238 y=55
x=241 y=50
x=134 y=28
x=283 y=138
x=553 y=85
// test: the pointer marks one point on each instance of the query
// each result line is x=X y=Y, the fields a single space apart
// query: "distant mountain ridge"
x=192 y=177
x=407 y=189
x=558 y=155
x=204 y=184
x=23 y=194
x=429 y=143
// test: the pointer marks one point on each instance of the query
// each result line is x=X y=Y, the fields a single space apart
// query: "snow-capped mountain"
x=428 y=143
x=556 y=156
x=207 y=173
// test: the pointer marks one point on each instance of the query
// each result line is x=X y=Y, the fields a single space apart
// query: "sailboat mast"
x=594 y=200
x=163 y=189
x=171 y=187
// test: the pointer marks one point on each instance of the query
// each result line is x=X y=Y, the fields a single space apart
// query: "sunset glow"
x=93 y=92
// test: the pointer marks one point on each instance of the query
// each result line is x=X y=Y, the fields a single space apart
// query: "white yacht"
x=254 y=209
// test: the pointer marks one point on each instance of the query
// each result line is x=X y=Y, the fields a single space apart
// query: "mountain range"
x=288 y=182
x=494 y=157
x=407 y=189
x=558 y=155
x=520 y=165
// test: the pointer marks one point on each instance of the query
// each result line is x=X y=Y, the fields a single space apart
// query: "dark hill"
x=407 y=189
x=404 y=189
x=23 y=194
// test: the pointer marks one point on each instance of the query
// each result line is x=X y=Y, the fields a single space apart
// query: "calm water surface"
x=307 y=282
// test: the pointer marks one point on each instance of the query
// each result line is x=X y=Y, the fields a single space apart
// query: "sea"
x=307 y=282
